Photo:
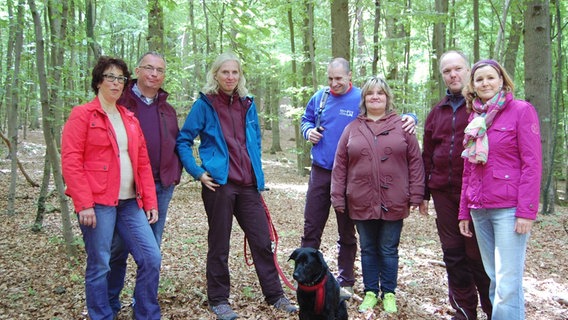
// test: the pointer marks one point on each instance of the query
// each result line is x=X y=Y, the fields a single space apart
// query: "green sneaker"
x=369 y=302
x=389 y=303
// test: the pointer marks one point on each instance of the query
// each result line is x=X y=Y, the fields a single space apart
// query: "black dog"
x=318 y=291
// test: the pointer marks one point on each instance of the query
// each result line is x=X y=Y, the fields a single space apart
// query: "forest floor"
x=38 y=281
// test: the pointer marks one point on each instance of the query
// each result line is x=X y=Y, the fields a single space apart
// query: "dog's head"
x=310 y=267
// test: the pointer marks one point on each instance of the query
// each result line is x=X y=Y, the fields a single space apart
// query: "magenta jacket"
x=511 y=176
x=378 y=171
x=89 y=158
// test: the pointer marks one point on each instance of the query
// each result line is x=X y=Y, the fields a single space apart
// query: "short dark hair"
x=103 y=64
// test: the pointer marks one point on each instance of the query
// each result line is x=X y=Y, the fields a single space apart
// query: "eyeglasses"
x=112 y=78
x=151 y=69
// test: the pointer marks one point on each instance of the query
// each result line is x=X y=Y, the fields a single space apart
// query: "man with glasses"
x=145 y=97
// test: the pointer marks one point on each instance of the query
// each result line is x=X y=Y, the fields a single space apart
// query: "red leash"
x=274 y=240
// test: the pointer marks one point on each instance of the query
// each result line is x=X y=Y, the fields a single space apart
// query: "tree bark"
x=155 y=26
x=376 y=25
x=538 y=83
x=340 y=38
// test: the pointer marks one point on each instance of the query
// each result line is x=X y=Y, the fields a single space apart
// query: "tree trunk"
x=42 y=198
x=90 y=29
x=561 y=123
x=475 y=30
x=308 y=73
x=12 y=108
x=499 y=43
x=510 y=58
x=155 y=26
x=438 y=41
x=340 y=39
x=538 y=82
x=361 y=43
x=376 y=36
x=273 y=104
x=52 y=152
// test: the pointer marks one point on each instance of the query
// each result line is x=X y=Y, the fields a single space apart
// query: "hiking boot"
x=345 y=293
x=389 y=303
x=284 y=304
x=369 y=302
x=224 y=312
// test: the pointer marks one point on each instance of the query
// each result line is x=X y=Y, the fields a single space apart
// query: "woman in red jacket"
x=108 y=175
x=377 y=176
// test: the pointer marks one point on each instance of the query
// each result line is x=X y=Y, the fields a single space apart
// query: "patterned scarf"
x=475 y=140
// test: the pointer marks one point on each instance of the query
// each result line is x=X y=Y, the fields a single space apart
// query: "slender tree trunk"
x=12 y=108
x=538 y=82
x=376 y=26
x=361 y=43
x=511 y=53
x=42 y=198
x=340 y=38
x=475 y=30
x=52 y=152
x=438 y=41
x=561 y=123
x=274 y=103
x=499 y=43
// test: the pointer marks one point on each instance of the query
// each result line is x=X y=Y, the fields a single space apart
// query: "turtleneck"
x=455 y=99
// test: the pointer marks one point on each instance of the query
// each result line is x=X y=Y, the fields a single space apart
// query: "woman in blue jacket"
x=226 y=121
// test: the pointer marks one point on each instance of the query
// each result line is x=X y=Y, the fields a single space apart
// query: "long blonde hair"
x=212 y=86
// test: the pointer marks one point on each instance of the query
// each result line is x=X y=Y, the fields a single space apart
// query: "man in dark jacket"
x=145 y=97
x=443 y=165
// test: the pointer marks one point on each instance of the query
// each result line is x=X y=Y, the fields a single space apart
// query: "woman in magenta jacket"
x=501 y=182
x=108 y=175
x=377 y=176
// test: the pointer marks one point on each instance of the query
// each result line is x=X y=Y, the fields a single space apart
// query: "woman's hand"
x=152 y=216
x=464 y=229
x=523 y=225
x=88 y=218
x=208 y=181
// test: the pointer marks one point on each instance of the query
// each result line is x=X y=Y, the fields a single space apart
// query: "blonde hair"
x=468 y=91
x=212 y=86
x=374 y=82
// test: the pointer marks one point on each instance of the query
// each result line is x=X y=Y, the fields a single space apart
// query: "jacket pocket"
x=505 y=184
x=97 y=175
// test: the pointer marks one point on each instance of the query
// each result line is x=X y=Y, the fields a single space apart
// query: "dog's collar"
x=319 y=288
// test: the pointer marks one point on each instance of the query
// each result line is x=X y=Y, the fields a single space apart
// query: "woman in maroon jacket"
x=377 y=177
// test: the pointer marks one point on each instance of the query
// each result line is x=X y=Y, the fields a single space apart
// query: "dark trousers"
x=316 y=213
x=466 y=275
x=245 y=204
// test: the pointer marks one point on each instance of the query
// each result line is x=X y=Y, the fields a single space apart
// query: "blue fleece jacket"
x=204 y=122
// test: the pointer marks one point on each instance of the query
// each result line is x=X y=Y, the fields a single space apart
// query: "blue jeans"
x=132 y=225
x=503 y=253
x=119 y=252
x=379 y=241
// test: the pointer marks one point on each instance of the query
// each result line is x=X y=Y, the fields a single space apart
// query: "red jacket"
x=378 y=171
x=89 y=157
